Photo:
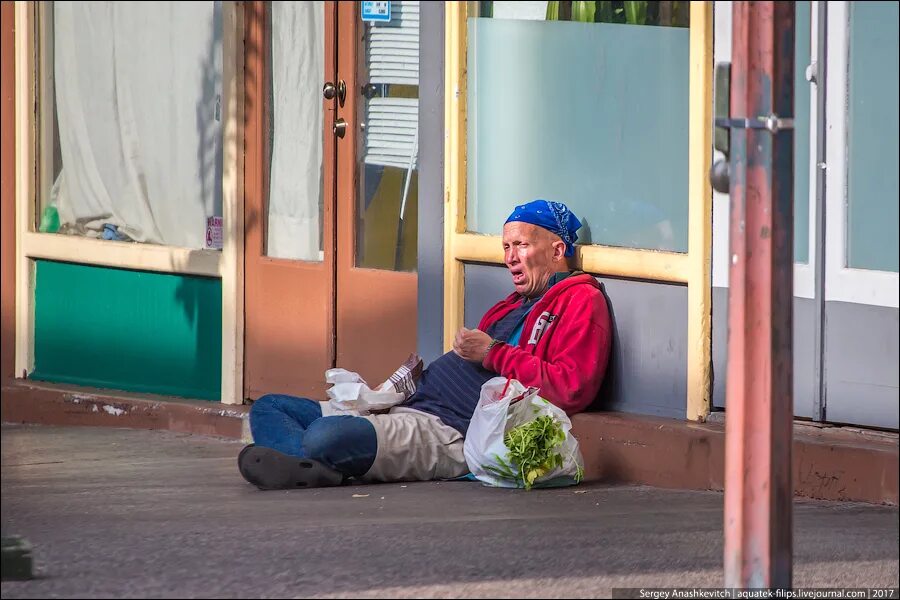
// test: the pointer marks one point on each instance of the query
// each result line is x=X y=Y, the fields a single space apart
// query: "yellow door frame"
x=691 y=268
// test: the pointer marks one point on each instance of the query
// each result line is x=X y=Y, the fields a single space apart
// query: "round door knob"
x=719 y=176
x=329 y=91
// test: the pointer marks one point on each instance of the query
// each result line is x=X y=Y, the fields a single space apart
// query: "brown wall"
x=7 y=190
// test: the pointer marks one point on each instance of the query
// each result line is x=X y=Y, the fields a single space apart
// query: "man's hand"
x=471 y=344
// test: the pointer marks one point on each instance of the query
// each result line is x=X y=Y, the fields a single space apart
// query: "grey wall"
x=861 y=357
x=804 y=351
x=431 y=181
x=862 y=386
x=647 y=373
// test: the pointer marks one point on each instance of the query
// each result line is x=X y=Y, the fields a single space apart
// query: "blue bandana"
x=555 y=217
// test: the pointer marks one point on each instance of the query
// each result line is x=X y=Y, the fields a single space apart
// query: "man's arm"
x=573 y=362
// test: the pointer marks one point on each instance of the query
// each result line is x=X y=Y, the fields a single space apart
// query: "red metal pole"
x=758 y=486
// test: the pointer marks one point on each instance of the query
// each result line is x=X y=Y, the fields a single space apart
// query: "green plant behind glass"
x=669 y=14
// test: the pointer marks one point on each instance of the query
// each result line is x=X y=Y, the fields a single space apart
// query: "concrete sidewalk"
x=829 y=462
x=133 y=513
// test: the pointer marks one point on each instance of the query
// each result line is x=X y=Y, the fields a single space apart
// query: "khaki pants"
x=415 y=446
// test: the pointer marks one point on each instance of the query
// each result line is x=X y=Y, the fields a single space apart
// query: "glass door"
x=290 y=57
x=861 y=234
x=377 y=190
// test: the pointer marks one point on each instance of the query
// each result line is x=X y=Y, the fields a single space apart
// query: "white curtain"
x=296 y=177
x=138 y=96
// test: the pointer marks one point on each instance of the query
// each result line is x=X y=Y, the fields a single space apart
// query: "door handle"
x=329 y=90
x=339 y=128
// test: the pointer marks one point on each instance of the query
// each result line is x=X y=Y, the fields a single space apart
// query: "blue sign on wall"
x=376 y=11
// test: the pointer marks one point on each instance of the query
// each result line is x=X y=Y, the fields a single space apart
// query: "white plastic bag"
x=504 y=405
x=350 y=394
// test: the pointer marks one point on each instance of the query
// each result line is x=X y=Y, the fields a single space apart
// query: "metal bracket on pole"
x=772 y=123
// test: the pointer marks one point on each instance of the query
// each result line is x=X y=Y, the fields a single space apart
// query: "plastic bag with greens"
x=516 y=439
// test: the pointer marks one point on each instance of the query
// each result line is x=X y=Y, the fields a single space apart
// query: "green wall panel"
x=128 y=330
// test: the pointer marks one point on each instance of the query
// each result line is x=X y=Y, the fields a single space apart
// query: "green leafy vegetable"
x=531 y=448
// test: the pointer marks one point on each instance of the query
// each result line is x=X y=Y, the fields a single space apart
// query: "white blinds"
x=392 y=132
x=393 y=52
x=392 y=57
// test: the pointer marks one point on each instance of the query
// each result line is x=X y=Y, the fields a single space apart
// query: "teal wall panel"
x=591 y=114
x=129 y=330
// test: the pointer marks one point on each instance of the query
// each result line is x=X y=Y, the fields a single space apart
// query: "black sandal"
x=270 y=469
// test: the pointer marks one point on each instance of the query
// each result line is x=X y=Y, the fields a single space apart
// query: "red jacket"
x=564 y=345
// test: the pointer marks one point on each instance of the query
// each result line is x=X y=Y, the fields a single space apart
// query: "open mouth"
x=518 y=277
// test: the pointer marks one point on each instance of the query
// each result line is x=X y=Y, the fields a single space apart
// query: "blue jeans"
x=295 y=426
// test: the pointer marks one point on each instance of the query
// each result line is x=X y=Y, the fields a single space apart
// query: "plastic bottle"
x=49 y=220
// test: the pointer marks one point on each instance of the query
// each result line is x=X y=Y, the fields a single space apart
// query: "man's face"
x=532 y=254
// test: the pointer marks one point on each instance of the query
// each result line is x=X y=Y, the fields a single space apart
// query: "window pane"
x=295 y=208
x=802 y=95
x=872 y=145
x=130 y=124
x=591 y=114
x=387 y=212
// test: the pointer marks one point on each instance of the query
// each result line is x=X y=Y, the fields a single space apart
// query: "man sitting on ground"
x=552 y=333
